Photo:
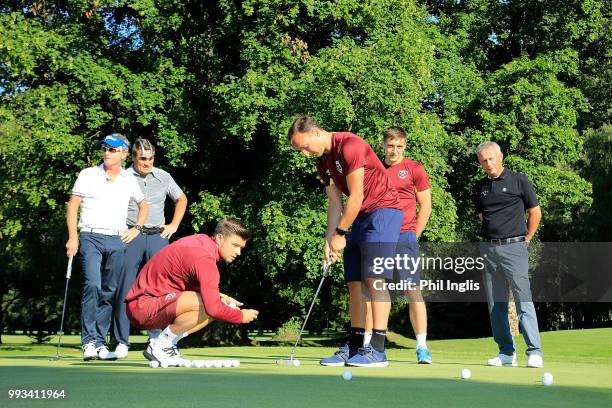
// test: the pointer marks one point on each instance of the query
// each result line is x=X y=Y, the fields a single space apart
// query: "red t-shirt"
x=408 y=177
x=348 y=153
x=189 y=264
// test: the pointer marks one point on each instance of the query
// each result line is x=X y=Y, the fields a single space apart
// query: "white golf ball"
x=296 y=363
x=208 y=363
x=199 y=363
x=153 y=364
x=547 y=379
x=217 y=363
x=466 y=374
x=235 y=363
x=347 y=375
x=227 y=363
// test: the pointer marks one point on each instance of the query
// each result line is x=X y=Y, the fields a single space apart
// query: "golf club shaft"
x=314 y=299
x=61 y=330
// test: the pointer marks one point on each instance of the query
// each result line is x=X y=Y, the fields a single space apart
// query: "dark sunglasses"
x=141 y=158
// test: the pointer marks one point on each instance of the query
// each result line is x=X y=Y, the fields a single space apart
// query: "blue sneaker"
x=339 y=358
x=423 y=355
x=368 y=357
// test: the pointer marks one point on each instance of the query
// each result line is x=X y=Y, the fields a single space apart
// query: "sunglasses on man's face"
x=142 y=158
x=111 y=149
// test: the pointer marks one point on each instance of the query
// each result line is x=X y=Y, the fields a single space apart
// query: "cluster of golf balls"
x=547 y=378
x=200 y=363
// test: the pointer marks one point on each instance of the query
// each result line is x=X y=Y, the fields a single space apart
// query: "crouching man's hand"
x=248 y=315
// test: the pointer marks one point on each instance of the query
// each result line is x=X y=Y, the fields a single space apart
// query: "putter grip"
x=69 y=269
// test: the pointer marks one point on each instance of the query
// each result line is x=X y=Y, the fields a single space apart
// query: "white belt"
x=103 y=231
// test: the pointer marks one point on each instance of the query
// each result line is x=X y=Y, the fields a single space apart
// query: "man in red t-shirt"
x=178 y=290
x=348 y=165
x=412 y=184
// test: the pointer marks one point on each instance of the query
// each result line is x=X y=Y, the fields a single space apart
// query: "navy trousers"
x=138 y=252
x=102 y=257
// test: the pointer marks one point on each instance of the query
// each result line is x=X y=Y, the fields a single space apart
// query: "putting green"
x=581 y=362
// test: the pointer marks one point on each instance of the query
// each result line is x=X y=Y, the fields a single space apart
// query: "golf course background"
x=215 y=85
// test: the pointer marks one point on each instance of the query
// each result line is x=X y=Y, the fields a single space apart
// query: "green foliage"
x=598 y=169
x=215 y=85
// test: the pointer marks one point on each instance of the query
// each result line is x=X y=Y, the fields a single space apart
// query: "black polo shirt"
x=503 y=202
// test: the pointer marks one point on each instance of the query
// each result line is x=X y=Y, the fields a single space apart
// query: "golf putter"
x=291 y=360
x=61 y=330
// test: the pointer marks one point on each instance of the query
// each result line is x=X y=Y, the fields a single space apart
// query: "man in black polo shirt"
x=502 y=197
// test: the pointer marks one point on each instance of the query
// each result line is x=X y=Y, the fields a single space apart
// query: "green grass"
x=581 y=362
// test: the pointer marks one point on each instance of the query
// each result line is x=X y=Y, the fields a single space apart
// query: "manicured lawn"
x=581 y=362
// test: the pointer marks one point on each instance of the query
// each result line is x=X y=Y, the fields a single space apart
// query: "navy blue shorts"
x=408 y=268
x=373 y=238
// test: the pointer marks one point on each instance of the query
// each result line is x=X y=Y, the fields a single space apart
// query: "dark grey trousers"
x=506 y=266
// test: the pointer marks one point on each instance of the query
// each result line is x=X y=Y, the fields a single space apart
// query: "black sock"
x=355 y=338
x=378 y=340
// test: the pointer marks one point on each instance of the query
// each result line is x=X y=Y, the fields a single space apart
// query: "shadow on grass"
x=281 y=387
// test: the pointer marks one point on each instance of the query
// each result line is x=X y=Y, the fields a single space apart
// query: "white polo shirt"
x=105 y=202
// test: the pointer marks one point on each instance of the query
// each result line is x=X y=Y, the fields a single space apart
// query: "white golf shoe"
x=535 y=361
x=89 y=351
x=166 y=354
x=105 y=354
x=503 y=360
x=121 y=351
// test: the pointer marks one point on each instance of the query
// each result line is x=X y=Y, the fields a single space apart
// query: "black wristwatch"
x=138 y=227
x=340 y=231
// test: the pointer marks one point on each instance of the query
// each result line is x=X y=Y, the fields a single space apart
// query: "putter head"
x=289 y=362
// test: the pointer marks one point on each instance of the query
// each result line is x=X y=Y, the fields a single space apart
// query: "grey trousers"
x=506 y=266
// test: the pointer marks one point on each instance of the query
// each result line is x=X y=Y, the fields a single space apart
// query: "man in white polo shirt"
x=103 y=193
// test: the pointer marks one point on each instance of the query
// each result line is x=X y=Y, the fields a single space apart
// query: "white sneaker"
x=121 y=351
x=535 y=361
x=89 y=351
x=503 y=360
x=167 y=355
x=105 y=354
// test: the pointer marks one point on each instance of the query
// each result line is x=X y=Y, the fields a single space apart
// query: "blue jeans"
x=140 y=250
x=102 y=257
x=507 y=267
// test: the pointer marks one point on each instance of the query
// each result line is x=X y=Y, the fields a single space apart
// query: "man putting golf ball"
x=347 y=165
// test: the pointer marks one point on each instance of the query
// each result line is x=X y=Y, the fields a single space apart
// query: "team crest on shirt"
x=338 y=166
x=504 y=189
x=484 y=193
x=170 y=296
x=402 y=174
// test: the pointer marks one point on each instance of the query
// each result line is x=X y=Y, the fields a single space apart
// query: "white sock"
x=421 y=340
x=367 y=336
x=168 y=336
